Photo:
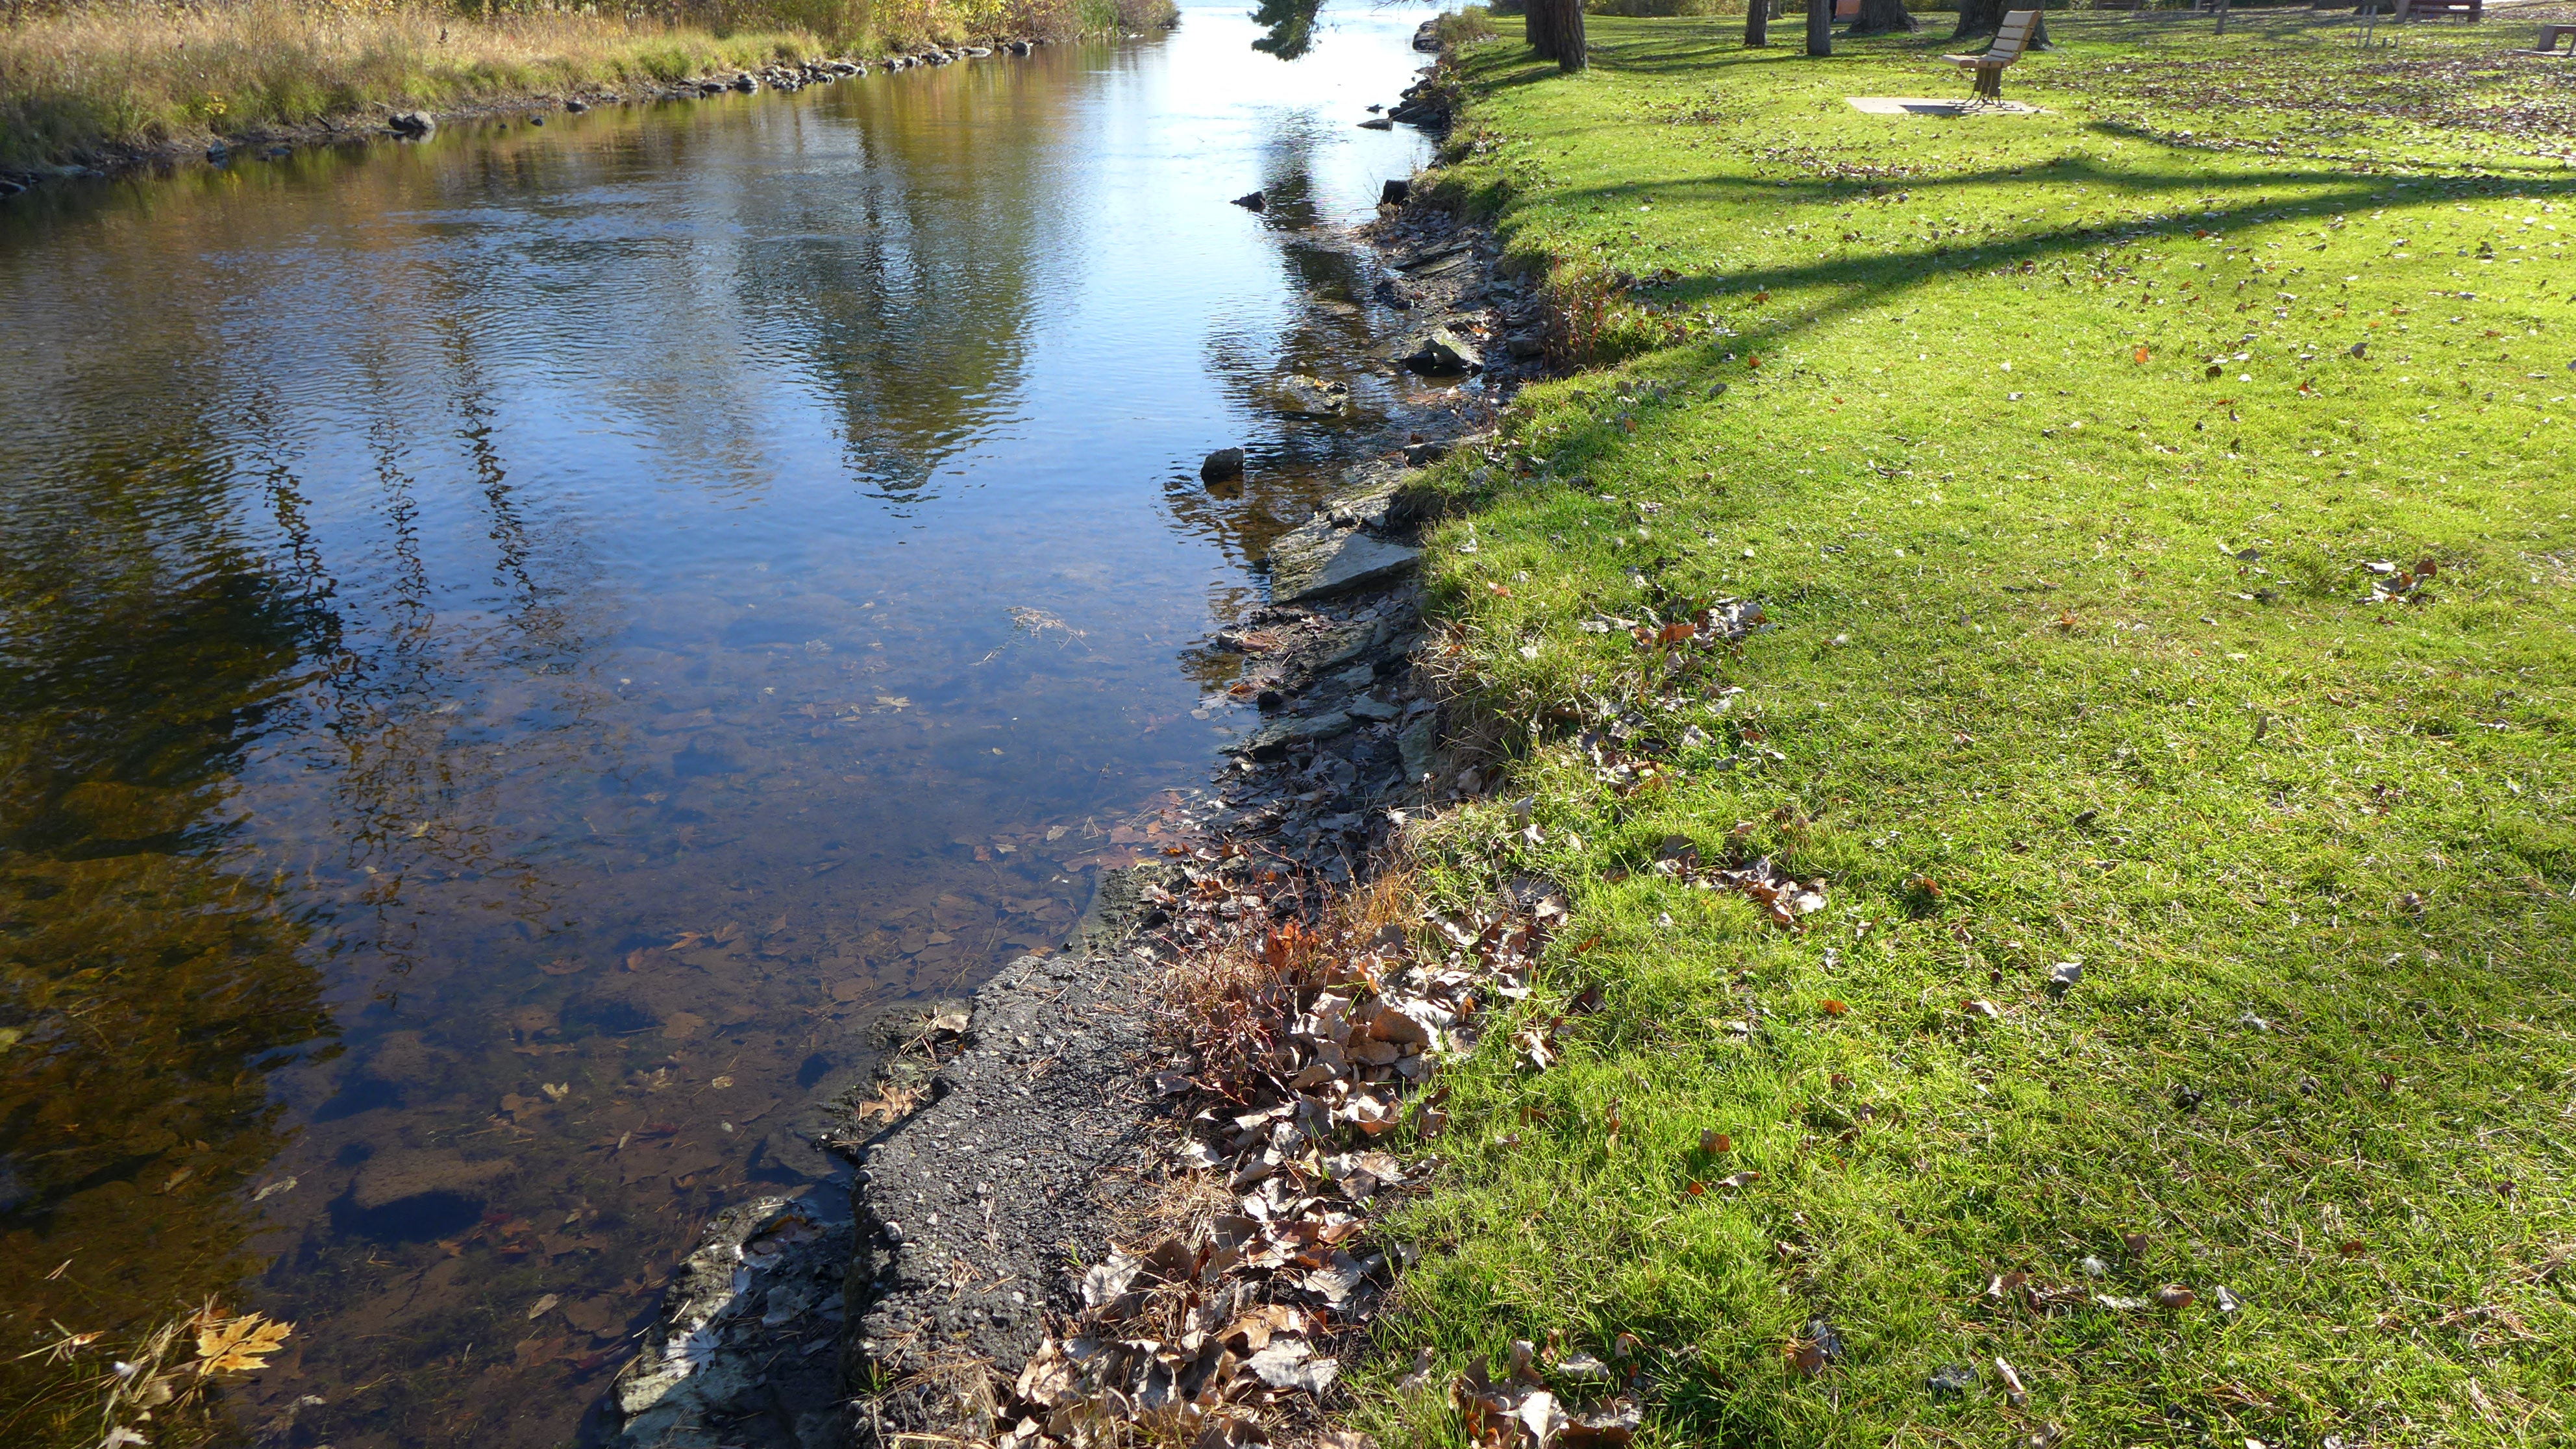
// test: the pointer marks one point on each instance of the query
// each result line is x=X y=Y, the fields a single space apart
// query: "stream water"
x=516 y=650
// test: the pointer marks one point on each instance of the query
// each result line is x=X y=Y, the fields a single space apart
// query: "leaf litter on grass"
x=1305 y=1044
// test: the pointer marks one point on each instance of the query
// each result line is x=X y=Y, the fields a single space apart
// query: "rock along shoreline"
x=1012 y=1137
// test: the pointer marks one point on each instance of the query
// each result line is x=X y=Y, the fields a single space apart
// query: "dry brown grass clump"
x=89 y=82
x=1231 y=1000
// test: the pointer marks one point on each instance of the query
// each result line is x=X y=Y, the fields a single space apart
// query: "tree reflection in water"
x=512 y=657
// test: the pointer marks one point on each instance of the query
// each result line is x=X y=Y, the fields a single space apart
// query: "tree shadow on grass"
x=1860 y=283
x=2336 y=194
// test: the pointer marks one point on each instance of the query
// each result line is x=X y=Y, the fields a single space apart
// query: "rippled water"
x=516 y=650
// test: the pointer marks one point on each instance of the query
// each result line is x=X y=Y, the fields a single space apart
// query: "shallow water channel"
x=517 y=650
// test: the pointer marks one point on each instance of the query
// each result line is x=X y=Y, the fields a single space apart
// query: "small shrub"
x=1463 y=27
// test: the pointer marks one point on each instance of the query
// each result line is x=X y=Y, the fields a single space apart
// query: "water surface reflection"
x=517 y=649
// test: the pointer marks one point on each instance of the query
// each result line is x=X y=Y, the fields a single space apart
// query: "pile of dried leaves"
x=1310 y=1047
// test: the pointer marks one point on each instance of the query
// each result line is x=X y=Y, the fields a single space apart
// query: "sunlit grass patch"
x=2163 y=545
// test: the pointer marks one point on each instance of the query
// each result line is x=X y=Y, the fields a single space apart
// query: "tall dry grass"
x=88 y=81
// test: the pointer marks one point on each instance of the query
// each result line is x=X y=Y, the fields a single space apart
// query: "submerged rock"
x=1441 y=352
x=1251 y=201
x=1222 y=464
x=1300 y=396
x=394 y=1178
x=746 y=1333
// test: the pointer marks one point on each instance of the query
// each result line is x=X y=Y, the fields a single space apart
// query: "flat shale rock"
x=742 y=1355
x=1318 y=560
x=969 y=1210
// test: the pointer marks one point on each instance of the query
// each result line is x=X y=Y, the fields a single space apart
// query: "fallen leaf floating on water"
x=237 y=1344
x=543 y=1306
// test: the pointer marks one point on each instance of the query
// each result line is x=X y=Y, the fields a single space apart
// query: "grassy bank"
x=96 y=81
x=2159 y=515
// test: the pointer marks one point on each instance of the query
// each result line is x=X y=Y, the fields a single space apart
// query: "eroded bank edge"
x=1030 y=1130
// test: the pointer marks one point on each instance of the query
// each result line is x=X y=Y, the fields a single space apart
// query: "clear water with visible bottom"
x=517 y=649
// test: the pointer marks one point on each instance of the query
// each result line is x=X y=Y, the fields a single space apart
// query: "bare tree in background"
x=1985 y=17
x=1884 y=17
x=1554 y=29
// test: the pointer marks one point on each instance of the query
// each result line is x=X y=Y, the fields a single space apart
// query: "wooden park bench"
x=2550 y=35
x=2011 y=39
x=2471 y=11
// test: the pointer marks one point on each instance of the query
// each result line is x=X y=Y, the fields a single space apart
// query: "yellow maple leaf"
x=238 y=1345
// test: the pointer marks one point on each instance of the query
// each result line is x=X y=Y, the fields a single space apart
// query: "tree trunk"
x=1757 y=24
x=1820 y=27
x=1564 y=28
x=1985 y=17
x=1538 y=27
x=1884 y=17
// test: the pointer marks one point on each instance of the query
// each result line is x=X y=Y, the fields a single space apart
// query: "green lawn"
x=2082 y=465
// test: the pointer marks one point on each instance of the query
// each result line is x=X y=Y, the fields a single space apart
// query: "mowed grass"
x=2059 y=451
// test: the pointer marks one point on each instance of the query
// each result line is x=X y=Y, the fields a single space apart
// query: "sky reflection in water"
x=517 y=649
